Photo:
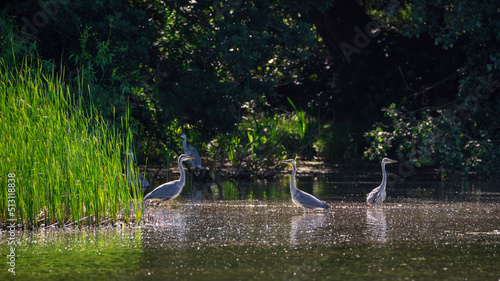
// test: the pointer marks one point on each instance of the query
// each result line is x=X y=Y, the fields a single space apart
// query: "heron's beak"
x=393 y=161
x=189 y=158
x=285 y=162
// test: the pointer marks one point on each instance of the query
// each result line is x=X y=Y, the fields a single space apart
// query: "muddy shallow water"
x=209 y=239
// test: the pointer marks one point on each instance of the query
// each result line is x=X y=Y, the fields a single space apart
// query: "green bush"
x=263 y=138
x=438 y=138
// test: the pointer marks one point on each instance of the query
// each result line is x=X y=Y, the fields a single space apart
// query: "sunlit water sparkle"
x=210 y=239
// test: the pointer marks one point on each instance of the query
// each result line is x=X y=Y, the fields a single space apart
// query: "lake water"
x=425 y=231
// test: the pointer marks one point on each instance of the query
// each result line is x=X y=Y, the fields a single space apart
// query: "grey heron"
x=377 y=196
x=137 y=180
x=299 y=197
x=172 y=189
x=192 y=152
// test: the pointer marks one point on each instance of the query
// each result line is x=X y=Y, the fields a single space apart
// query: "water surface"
x=267 y=237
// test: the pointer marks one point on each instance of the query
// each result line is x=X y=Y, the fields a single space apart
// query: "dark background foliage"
x=252 y=81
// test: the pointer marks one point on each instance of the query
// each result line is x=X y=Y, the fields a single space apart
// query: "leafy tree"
x=223 y=54
x=456 y=129
x=220 y=57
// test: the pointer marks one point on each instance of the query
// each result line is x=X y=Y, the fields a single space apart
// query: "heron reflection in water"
x=299 y=197
x=307 y=229
x=377 y=196
x=376 y=225
x=168 y=224
x=170 y=190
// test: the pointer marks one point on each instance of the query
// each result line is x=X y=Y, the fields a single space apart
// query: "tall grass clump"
x=66 y=160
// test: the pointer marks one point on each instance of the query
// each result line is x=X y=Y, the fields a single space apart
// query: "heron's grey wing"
x=192 y=152
x=165 y=191
x=309 y=201
x=370 y=198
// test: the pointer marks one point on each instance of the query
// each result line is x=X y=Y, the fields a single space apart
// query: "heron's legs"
x=191 y=180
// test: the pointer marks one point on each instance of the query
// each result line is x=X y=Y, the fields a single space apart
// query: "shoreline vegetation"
x=67 y=162
x=249 y=84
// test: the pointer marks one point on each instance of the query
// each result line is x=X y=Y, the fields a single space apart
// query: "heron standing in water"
x=377 y=196
x=168 y=191
x=299 y=197
x=192 y=152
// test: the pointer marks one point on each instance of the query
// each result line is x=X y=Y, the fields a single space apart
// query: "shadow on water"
x=261 y=236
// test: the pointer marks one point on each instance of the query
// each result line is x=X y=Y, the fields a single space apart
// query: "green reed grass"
x=301 y=124
x=66 y=160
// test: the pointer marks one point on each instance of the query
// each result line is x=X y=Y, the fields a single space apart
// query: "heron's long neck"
x=182 y=179
x=384 y=178
x=292 y=179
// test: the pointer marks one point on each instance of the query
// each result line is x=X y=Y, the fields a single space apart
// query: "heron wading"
x=299 y=197
x=168 y=191
x=192 y=152
x=377 y=196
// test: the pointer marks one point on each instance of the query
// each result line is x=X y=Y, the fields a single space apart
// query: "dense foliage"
x=252 y=81
x=456 y=128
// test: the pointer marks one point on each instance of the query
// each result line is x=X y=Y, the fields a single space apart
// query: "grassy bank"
x=61 y=164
